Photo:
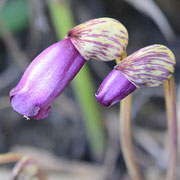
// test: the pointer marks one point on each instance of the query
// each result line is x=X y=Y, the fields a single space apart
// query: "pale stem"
x=125 y=135
x=126 y=140
x=170 y=99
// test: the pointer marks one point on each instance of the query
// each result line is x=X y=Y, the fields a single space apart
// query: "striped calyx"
x=149 y=66
x=102 y=39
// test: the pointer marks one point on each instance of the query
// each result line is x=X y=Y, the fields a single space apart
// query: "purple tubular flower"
x=114 y=88
x=45 y=79
x=51 y=71
x=149 y=66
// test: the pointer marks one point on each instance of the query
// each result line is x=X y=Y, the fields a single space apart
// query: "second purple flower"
x=149 y=66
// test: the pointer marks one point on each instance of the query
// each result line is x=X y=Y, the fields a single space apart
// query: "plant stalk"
x=170 y=100
x=125 y=135
x=126 y=140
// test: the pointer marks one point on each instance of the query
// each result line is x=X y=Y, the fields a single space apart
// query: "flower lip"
x=23 y=104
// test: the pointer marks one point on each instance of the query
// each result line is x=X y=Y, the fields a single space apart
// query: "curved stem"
x=125 y=135
x=170 y=99
x=126 y=140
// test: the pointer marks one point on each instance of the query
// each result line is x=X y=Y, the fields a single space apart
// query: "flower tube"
x=52 y=70
x=45 y=79
x=149 y=66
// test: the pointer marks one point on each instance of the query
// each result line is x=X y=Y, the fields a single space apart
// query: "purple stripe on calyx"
x=149 y=66
x=104 y=34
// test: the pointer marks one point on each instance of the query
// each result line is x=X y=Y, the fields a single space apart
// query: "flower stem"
x=125 y=135
x=170 y=99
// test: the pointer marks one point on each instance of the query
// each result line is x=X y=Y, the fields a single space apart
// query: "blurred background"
x=80 y=138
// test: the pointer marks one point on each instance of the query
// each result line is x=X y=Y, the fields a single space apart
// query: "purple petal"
x=114 y=88
x=23 y=103
x=43 y=113
x=46 y=78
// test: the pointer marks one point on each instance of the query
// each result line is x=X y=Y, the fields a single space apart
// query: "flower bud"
x=102 y=39
x=149 y=66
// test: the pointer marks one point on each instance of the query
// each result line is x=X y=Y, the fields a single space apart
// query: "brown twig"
x=22 y=162
x=10 y=157
x=170 y=98
x=29 y=167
